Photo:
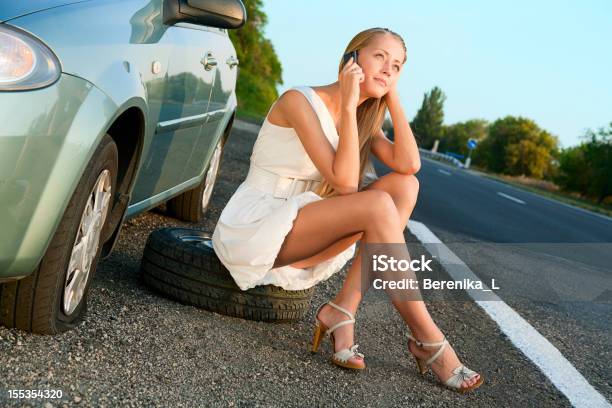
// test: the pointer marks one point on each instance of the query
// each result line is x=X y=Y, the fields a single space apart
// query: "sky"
x=550 y=61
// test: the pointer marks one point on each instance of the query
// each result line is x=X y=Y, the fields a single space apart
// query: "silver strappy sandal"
x=460 y=374
x=341 y=357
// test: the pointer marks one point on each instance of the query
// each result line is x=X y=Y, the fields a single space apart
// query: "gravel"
x=136 y=348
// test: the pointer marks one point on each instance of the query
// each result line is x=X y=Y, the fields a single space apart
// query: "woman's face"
x=381 y=62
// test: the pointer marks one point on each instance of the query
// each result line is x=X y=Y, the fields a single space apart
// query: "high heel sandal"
x=340 y=358
x=460 y=373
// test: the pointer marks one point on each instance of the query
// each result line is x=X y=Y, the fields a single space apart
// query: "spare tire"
x=181 y=263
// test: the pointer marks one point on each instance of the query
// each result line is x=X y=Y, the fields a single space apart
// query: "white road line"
x=509 y=197
x=536 y=347
x=448 y=173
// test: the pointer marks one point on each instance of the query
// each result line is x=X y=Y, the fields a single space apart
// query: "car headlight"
x=25 y=62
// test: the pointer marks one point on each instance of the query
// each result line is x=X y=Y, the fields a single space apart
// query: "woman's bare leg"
x=323 y=223
x=403 y=190
x=325 y=228
x=320 y=224
x=333 y=250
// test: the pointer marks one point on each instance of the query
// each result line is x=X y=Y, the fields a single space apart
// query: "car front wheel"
x=53 y=298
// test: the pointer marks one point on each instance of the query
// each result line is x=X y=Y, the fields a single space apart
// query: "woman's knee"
x=413 y=183
x=405 y=191
x=407 y=184
x=407 y=197
x=381 y=207
x=412 y=187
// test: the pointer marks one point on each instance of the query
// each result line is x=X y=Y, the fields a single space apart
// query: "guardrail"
x=441 y=157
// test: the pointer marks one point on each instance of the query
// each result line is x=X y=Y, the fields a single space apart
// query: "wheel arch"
x=128 y=132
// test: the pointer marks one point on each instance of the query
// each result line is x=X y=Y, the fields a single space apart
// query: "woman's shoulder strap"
x=308 y=92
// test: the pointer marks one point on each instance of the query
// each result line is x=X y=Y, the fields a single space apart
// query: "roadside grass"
x=549 y=190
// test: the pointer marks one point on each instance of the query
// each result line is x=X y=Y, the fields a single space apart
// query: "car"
x=108 y=108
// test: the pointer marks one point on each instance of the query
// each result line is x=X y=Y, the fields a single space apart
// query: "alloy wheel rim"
x=197 y=240
x=211 y=175
x=86 y=242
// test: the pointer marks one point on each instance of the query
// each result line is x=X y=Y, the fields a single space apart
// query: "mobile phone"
x=348 y=55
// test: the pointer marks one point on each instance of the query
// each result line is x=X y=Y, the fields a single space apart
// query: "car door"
x=183 y=98
x=220 y=49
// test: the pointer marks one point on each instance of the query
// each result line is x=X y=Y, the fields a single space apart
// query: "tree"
x=518 y=146
x=259 y=70
x=598 y=154
x=587 y=168
x=428 y=122
x=527 y=157
x=456 y=136
x=573 y=174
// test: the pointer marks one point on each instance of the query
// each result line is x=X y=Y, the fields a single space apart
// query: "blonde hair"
x=370 y=113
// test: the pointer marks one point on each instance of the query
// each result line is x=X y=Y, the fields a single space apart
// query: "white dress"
x=260 y=213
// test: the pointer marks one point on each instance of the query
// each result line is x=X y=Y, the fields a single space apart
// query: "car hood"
x=13 y=9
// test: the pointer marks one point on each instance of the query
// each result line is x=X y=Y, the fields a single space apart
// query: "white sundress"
x=259 y=215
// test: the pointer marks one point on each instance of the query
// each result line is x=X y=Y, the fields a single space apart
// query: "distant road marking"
x=448 y=173
x=532 y=344
x=509 y=197
x=541 y=197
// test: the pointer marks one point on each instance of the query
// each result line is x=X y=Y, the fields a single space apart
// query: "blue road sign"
x=471 y=144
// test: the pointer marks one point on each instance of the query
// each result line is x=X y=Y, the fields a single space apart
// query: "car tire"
x=191 y=205
x=182 y=264
x=37 y=303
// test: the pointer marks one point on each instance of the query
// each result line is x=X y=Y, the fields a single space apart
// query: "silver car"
x=107 y=109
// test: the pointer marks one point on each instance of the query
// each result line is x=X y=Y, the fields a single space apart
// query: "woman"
x=296 y=218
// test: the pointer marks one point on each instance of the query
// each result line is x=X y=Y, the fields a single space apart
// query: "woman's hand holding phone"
x=350 y=77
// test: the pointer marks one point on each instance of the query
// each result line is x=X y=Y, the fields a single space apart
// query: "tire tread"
x=194 y=275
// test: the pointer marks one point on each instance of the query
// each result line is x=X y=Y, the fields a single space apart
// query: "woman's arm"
x=300 y=115
x=341 y=167
x=332 y=165
x=403 y=154
x=346 y=162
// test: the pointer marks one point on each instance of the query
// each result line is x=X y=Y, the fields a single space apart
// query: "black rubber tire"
x=193 y=274
x=33 y=303
x=188 y=206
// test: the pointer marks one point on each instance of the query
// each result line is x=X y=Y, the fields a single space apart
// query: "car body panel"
x=151 y=202
x=177 y=125
x=13 y=9
x=43 y=151
x=108 y=65
x=183 y=94
x=220 y=99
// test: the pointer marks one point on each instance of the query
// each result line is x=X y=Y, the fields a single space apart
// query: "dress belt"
x=277 y=185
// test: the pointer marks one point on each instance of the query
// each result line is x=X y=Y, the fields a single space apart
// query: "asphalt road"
x=552 y=262
x=137 y=348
